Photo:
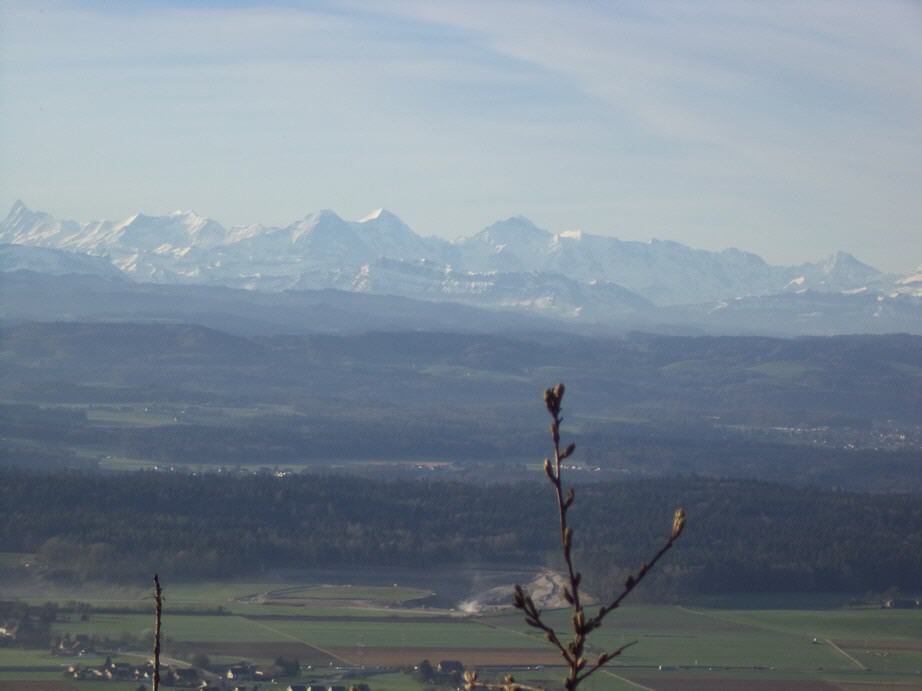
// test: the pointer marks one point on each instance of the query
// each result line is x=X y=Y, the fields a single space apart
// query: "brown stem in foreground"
x=158 y=610
x=553 y=399
x=578 y=667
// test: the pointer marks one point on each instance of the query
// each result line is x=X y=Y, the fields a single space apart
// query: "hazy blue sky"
x=788 y=128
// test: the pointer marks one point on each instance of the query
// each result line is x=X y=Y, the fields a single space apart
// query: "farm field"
x=374 y=630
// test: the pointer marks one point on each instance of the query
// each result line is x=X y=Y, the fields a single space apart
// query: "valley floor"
x=361 y=629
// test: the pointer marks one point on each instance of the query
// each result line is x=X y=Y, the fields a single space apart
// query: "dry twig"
x=158 y=610
x=574 y=652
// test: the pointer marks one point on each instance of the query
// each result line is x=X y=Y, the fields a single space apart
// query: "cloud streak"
x=786 y=128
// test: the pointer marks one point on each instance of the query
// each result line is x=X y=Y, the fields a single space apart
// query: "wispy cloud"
x=818 y=100
x=788 y=128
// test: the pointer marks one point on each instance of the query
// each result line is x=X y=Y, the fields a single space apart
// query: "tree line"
x=742 y=536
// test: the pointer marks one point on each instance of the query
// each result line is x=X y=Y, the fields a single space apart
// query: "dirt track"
x=913 y=646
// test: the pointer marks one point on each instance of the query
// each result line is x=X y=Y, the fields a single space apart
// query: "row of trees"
x=749 y=536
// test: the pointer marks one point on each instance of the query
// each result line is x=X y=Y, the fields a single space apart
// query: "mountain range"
x=510 y=265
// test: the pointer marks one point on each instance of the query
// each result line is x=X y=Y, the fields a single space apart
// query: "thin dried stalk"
x=579 y=668
x=158 y=610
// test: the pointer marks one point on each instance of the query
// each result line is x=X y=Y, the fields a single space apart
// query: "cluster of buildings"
x=111 y=671
x=245 y=671
x=180 y=677
x=233 y=679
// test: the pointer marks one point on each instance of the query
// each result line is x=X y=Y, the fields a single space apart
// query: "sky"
x=790 y=129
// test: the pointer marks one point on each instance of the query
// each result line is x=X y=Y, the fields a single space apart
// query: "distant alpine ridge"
x=511 y=264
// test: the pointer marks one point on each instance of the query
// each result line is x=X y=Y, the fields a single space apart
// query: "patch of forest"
x=742 y=536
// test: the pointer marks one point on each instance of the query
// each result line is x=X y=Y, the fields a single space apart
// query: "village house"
x=110 y=671
x=186 y=677
x=73 y=646
x=86 y=673
x=8 y=633
x=241 y=671
x=120 y=670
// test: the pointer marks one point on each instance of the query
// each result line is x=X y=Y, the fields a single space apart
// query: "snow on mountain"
x=512 y=245
x=545 y=292
x=387 y=236
x=321 y=250
x=511 y=263
x=324 y=237
x=910 y=284
x=22 y=226
x=806 y=312
x=178 y=232
x=837 y=273
x=53 y=262
x=664 y=272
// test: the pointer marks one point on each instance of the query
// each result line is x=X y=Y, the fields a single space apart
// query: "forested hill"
x=839 y=412
x=742 y=536
x=831 y=380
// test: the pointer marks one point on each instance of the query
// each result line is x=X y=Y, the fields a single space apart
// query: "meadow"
x=345 y=631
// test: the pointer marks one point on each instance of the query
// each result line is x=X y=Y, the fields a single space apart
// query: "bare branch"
x=533 y=618
x=604 y=659
x=678 y=525
x=578 y=666
x=158 y=610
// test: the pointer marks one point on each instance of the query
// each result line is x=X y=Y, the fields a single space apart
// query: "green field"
x=340 y=626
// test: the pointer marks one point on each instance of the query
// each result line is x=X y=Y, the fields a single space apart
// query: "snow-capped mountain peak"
x=23 y=226
x=384 y=220
x=54 y=262
x=576 y=235
x=323 y=250
x=374 y=215
x=517 y=229
x=20 y=213
x=19 y=207
x=842 y=262
x=318 y=221
x=181 y=229
x=840 y=271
